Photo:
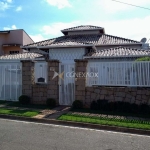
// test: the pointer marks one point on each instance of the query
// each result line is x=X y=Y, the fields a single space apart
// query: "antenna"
x=143 y=40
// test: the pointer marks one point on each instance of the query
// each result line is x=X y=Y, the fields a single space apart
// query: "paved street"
x=31 y=136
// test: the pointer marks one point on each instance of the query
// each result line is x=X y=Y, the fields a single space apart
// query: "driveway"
x=31 y=136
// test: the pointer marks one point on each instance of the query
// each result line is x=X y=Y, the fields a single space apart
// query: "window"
x=40 y=72
x=13 y=52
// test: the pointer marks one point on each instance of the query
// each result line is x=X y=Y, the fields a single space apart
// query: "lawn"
x=106 y=121
x=16 y=112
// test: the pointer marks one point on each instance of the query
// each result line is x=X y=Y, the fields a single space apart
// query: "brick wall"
x=40 y=92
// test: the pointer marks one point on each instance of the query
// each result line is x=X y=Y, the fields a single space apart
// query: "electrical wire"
x=131 y=5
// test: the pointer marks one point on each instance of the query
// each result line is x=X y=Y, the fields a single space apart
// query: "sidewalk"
x=53 y=113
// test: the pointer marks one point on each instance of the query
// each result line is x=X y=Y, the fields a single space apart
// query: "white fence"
x=10 y=81
x=119 y=74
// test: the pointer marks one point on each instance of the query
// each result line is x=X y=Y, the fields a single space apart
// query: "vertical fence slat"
x=120 y=74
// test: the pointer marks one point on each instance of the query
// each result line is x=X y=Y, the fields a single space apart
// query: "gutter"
x=108 y=57
x=60 y=46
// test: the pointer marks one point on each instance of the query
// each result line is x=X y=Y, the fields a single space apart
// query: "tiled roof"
x=118 y=52
x=21 y=56
x=83 y=27
x=81 y=40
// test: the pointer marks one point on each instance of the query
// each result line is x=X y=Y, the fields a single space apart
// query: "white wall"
x=67 y=54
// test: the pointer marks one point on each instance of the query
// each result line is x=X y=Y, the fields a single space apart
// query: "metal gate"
x=67 y=84
x=10 y=81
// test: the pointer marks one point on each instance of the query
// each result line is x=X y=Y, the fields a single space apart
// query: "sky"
x=44 y=19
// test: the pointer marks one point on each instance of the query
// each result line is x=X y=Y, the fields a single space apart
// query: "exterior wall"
x=12 y=48
x=88 y=94
x=65 y=54
x=26 y=38
x=14 y=37
x=39 y=92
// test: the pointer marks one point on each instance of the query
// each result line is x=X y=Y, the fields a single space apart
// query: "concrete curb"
x=78 y=124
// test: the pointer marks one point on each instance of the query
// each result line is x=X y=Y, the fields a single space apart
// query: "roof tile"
x=21 y=56
x=118 y=52
x=77 y=40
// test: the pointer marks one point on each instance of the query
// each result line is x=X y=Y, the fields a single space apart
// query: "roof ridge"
x=121 y=38
x=76 y=27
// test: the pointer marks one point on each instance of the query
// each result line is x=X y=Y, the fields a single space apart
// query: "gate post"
x=53 y=87
x=27 y=77
x=80 y=79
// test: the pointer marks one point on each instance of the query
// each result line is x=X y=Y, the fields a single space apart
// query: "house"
x=84 y=64
x=11 y=40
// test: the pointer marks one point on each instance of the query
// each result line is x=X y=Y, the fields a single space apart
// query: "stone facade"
x=40 y=92
x=27 y=77
x=112 y=94
x=80 y=82
x=89 y=94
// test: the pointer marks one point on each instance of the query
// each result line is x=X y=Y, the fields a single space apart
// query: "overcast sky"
x=43 y=19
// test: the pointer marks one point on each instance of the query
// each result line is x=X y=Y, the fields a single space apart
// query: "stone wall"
x=40 y=92
x=27 y=77
x=89 y=94
x=80 y=82
x=126 y=94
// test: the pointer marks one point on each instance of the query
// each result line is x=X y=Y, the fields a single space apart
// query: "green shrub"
x=112 y=106
x=144 y=108
x=135 y=108
x=143 y=59
x=24 y=100
x=102 y=104
x=93 y=105
x=77 y=104
x=51 y=102
x=123 y=106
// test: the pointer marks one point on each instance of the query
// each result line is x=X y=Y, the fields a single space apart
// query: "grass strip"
x=105 y=121
x=16 y=112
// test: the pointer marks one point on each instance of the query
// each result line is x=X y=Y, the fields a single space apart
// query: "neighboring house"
x=81 y=51
x=11 y=40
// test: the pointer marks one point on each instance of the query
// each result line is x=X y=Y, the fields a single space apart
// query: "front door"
x=66 y=84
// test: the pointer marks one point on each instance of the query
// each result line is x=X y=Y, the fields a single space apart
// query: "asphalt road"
x=31 y=136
